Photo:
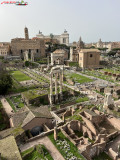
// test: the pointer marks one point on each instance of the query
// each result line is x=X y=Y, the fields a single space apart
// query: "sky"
x=90 y=19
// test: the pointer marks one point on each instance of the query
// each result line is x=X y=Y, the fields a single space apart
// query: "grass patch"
x=73 y=149
x=78 y=78
x=19 y=76
x=81 y=99
x=79 y=134
x=73 y=64
x=102 y=156
x=11 y=104
x=100 y=93
x=2 y=126
x=17 y=99
x=76 y=117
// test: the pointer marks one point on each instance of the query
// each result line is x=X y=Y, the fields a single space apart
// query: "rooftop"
x=22 y=118
x=59 y=51
x=9 y=149
x=89 y=50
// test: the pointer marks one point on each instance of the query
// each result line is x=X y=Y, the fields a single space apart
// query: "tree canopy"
x=5 y=82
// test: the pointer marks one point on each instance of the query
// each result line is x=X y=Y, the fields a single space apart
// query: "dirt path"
x=8 y=109
x=47 y=143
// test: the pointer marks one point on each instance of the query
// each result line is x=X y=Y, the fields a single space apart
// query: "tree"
x=5 y=82
x=51 y=36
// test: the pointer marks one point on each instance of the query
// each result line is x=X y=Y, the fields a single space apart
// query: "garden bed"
x=36 y=153
x=65 y=147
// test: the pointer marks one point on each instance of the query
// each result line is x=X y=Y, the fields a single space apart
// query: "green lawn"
x=19 y=76
x=40 y=153
x=102 y=156
x=61 y=139
x=78 y=78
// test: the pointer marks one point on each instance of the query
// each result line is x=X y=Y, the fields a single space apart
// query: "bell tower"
x=26 y=33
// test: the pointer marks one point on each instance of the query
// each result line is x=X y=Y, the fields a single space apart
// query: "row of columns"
x=26 y=55
x=56 y=86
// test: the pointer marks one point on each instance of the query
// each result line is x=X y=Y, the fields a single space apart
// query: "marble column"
x=51 y=89
x=56 y=92
x=26 y=55
x=55 y=133
x=63 y=74
x=48 y=60
x=60 y=86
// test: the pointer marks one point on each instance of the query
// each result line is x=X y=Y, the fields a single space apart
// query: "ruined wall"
x=19 y=46
x=113 y=154
x=114 y=122
x=90 y=125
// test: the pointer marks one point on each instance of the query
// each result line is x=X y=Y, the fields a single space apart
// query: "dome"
x=36 y=130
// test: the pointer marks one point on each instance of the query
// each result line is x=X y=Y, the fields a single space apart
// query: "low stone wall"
x=113 y=154
x=41 y=135
x=112 y=135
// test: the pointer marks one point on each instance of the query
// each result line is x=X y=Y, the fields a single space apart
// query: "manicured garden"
x=36 y=153
x=19 y=76
x=65 y=147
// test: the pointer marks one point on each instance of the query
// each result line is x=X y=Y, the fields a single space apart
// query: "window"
x=29 y=50
x=91 y=55
x=21 y=51
x=37 y=50
x=64 y=40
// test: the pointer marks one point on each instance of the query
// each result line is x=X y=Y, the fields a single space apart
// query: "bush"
x=27 y=63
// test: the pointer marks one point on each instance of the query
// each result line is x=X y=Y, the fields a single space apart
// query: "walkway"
x=9 y=111
x=47 y=143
